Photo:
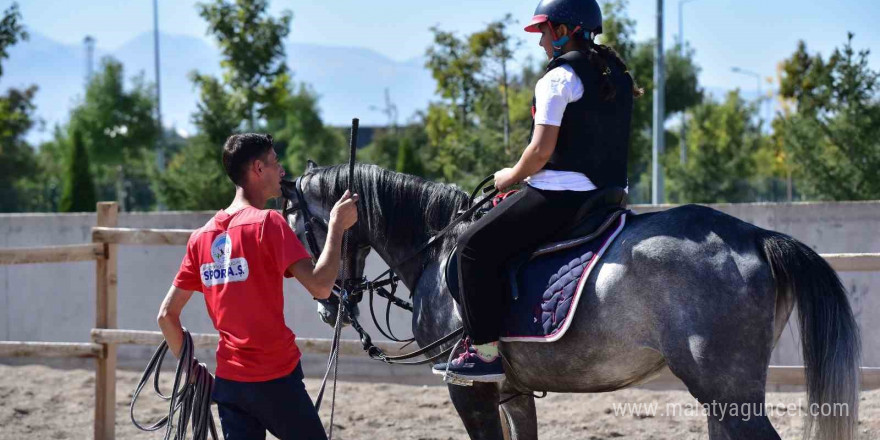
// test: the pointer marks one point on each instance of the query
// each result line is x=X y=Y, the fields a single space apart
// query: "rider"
x=580 y=136
x=238 y=260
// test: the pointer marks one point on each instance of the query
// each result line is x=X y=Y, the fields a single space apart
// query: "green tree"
x=474 y=131
x=299 y=132
x=118 y=125
x=255 y=91
x=496 y=47
x=833 y=138
x=194 y=179
x=723 y=141
x=251 y=44
x=17 y=158
x=78 y=194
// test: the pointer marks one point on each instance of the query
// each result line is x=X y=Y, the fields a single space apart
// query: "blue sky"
x=751 y=34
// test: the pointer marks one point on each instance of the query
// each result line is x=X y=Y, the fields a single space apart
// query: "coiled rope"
x=190 y=397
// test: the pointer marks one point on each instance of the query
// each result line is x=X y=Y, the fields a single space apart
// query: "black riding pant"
x=520 y=223
x=281 y=406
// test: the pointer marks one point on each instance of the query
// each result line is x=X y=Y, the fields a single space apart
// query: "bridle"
x=352 y=290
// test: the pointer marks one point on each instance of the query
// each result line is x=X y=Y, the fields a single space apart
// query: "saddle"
x=592 y=220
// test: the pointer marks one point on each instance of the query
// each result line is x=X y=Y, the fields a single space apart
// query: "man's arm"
x=169 y=317
x=318 y=278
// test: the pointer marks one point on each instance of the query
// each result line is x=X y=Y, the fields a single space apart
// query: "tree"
x=455 y=67
x=251 y=44
x=833 y=138
x=256 y=92
x=17 y=159
x=722 y=143
x=299 y=132
x=195 y=179
x=78 y=194
x=496 y=48
x=119 y=129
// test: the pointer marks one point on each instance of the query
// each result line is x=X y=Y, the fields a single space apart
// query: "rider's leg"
x=521 y=222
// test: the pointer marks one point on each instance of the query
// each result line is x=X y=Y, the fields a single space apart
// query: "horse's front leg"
x=519 y=417
x=477 y=406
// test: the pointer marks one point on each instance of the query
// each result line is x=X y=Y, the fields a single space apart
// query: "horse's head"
x=307 y=210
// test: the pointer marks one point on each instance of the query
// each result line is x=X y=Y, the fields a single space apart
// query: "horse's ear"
x=310 y=164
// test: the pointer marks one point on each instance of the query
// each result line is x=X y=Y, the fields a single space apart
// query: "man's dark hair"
x=241 y=150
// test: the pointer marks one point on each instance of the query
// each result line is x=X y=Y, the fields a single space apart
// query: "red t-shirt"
x=239 y=261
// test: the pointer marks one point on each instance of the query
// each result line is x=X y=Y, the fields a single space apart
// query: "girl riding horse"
x=580 y=136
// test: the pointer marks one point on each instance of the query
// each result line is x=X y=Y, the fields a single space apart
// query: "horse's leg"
x=723 y=361
x=477 y=406
x=519 y=418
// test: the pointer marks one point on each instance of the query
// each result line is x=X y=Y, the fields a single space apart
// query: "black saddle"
x=595 y=216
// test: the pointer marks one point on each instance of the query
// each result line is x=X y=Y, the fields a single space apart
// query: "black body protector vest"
x=594 y=135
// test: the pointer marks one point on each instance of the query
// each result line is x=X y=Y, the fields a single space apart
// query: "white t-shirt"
x=553 y=93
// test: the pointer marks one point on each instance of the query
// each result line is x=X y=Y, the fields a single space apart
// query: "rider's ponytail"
x=600 y=56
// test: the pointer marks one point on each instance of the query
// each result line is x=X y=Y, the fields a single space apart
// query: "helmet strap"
x=558 y=43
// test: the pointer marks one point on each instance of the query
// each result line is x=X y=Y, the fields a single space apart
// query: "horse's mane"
x=394 y=207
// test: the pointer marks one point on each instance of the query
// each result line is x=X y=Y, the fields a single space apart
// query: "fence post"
x=105 y=317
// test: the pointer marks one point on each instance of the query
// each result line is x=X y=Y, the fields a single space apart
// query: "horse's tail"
x=829 y=335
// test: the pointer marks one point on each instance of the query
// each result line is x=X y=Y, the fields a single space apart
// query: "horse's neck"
x=408 y=266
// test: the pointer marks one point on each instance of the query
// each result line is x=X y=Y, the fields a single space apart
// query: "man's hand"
x=344 y=213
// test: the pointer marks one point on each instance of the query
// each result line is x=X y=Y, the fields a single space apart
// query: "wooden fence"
x=106 y=237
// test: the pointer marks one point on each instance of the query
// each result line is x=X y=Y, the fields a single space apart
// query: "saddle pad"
x=550 y=287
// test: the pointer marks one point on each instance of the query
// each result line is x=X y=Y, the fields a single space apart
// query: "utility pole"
x=160 y=151
x=90 y=57
x=659 y=110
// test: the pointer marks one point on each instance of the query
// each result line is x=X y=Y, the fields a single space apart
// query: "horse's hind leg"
x=477 y=406
x=724 y=365
x=519 y=418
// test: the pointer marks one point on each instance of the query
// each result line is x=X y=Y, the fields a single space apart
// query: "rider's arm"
x=538 y=152
x=169 y=317
x=553 y=93
x=318 y=278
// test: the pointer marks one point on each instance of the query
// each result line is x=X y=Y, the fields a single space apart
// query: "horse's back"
x=669 y=277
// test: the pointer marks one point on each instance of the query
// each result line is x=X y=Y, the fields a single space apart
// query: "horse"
x=690 y=289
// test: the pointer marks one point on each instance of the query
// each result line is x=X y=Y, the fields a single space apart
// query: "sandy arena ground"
x=40 y=402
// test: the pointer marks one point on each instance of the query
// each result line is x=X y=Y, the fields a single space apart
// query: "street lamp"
x=683 y=132
x=757 y=82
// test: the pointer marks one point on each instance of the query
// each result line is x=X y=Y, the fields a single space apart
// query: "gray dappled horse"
x=691 y=288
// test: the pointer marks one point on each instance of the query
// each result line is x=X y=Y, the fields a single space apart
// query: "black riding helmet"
x=580 y=15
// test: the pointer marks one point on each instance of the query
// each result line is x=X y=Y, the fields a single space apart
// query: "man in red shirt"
x=238 y=261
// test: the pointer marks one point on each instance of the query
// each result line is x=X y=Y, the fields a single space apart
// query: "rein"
x=351 y=292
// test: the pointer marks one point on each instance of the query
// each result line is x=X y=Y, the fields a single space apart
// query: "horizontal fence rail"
x=141 y=236
x=50 y=349
x=206 y=340
x=52 y=254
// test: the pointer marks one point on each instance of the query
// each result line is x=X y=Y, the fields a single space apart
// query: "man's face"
x=271 y=173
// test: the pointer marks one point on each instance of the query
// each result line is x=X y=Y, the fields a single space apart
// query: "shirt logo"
x=224 y=269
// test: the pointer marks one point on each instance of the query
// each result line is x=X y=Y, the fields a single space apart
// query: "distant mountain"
x=348 y=80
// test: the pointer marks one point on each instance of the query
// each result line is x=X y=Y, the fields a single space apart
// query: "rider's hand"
x=505 y=178
x=344 y=213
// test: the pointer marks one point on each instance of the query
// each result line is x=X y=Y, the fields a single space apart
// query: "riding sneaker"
x=469 y=365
